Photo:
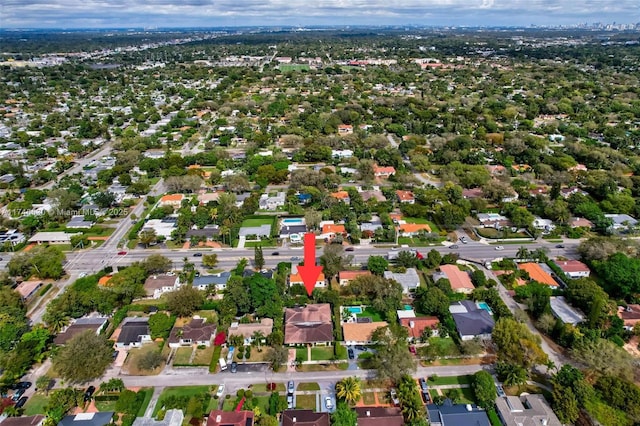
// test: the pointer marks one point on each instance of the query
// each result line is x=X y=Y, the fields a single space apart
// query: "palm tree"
x=349 y=390
x=12 y=411
x=523 y=253
x=257 y=339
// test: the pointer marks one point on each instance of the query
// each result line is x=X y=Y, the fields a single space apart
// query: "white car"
x=220 y=391
x=499 y=248
x=328 y=402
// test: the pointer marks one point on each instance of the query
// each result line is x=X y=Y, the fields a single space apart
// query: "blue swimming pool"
x=408 y=307
x=485 y=306
x=293 y=221
x=354 y=309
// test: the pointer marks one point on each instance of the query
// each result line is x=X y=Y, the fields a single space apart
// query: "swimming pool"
x=293 y=221
x=354 y=309
x=485 y=306
x=408 y=307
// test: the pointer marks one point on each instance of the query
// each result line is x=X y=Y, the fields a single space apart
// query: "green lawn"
x=321 y=354
x=293 y=67
x=306 y=402
x=36 y=404
x=272 y=242
x=247 y=223
x=449 y=380
x=460 y=395
x=182 y=356
x=262 y=387
x=148 y=393
x=371 y=313
x=107 y=406
x=179 y=391
x=443 y=346
x=302 y=353
x=369 y=398
x=309 y=386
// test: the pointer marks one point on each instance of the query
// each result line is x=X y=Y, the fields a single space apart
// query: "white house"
x=272 y=203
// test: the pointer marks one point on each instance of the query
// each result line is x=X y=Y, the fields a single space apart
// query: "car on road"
x=351 y=354
x=463 y=240
x=500 y=390
x=559 y=245
x=499 y=248
x=275 y=253
x=328 y=402
x=82 y=274
x=89 y=393
x=17 y=394
x=291 y=387
x=21 y=402
x=349 y=249
x=234 y=367
x=294 y=258
x=454 y=246
x=122 y=253
x=198 y=254
x=394 y=396
x=22 y=385
x=220 y=391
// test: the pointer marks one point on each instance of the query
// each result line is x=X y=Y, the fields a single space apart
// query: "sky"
x=216 y=13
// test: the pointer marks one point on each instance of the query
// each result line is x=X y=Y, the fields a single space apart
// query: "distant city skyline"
x=218 y=13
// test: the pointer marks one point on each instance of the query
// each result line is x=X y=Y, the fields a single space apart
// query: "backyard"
x=186 y=392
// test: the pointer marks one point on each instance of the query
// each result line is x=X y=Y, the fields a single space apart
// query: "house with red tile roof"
x=230 y=418
x=359 y=333
x=630 y=315
x=405 y=197
x=308 y=325
x=295 y=279
x=413 y=229
x=460 y=280
x=342 y=196
x=345 y=129
x=573 y=268
x=383 y=171
x=536 y=273
x=174 y=200
x=345 y=277
x=333 y=229
x=416 y=326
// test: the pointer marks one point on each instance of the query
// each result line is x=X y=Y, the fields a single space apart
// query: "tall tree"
x=258 y=257
x=84 y=358
x=184 y=301
x=517 y=345
x=484 y=389
x=343 y=416
x=348 y=389
x=377 y=265
x=392 y=358
x=333 y=260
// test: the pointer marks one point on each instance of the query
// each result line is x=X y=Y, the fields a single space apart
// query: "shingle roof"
x=379 y=416
x=360 y=332
x=79 y=327
x=132 y=329
x=87 y=419
x=197 y=331
x=23 y=421
x=304 y=418
x=459 y=279
x=471 y=321
x=230 y=418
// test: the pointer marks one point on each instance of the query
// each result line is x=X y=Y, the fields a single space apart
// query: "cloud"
x=117 y=13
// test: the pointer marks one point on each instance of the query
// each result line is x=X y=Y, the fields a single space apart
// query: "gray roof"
x=474 y=321
x=531 y=410
x=171 y=418
x=457 y=415
x=218 y=279
x=620 y=219
x=565 y=312
x=87 y=419
x=255 y=230
x=408 y=280
x=293 y=229
x=132 y=329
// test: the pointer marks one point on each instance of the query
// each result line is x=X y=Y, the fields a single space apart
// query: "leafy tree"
x=265 y=296
x=333 y=260
x=150 y=360
x=565 y=404
x=312 y=219
x=156 y=264
x=42 y=383
x=621 y=394
x=383 y=294
x=410 y=401
x=343 y=415
x=537 y=297
x=210 y=260
x=348 y=389
x=85 y=357
x=60 y=402
x=104 y=199
x=377 y=265
x=604 y=357
x=258 y=257
x=407 y=259
x=277 y=357
x=276 y=404
x=484 y=389
x=512 y=374
x=147 y=237
x=433 y=259
x=620 y=275
x=184 y=301
x=160 y=325
x=43 y=262
x=517 y=345
x=432 y=301
x=392 y=359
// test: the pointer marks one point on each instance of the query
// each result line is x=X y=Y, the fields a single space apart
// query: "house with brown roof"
x=405 y=197
x=379 y=416
x=573 y=268
x=78 y=326
x=304 y=418
x=580 y=222
x=460 y=280
x=308 y=325
x=345 y=277
x=156 y=285
x=265 y=326
x=173 y=200
x=37 y=420
x=536 y=273
x=196 y=332
x=359 y=333
x=27 y=289
x=383 y=172
x=629 y=315
x=230 y=418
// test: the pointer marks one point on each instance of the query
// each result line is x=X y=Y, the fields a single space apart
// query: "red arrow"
x=310 y=271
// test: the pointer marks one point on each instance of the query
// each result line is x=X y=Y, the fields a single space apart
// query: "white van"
x=223 y=364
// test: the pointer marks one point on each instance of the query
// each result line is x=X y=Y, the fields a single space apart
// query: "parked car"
x=423 y=384
x=499 y=248
x=17 y=394
x=290 y=401
x=328 y=402
x=351 y=354
x=394 y=396
x=220 y=391
x=426 y=397
x=454 y=247
x=82 y=274
x=22 y=385
x=234 y=367
x=291 y=387
x=122 y=253
x=500 y=390
x=21 y=402
x=89 y=393
x=198 y=254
